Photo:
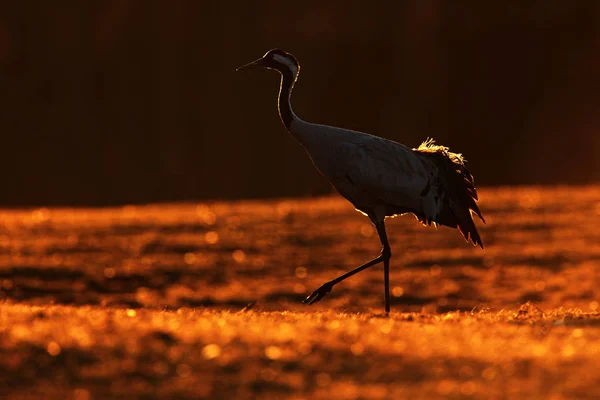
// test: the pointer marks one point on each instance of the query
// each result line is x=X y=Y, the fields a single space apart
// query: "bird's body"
x=383 y=178
x=380 y=177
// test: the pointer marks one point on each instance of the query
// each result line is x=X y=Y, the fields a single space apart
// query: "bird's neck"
x=288 y=117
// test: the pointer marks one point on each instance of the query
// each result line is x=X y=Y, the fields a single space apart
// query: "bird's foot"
x=318 y=294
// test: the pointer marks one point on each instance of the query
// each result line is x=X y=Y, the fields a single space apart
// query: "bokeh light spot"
x=40 y=215
x=211 y=351
x=190 y=258
x=238 y=256
x=211 y=237
x=53 y=349
x=488 y=373
x=366 y=230
x=205 y=214
x=283 y=209
x=301 y=272
x=273 y=352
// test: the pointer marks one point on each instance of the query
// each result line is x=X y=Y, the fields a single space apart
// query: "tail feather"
x=459 y=193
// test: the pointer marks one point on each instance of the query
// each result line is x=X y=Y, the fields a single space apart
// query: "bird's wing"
x=374 y=171
x=384 y=169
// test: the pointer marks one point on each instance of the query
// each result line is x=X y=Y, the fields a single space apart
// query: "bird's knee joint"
x=386 y=252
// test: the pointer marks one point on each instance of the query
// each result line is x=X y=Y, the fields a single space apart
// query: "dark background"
x=115 y=101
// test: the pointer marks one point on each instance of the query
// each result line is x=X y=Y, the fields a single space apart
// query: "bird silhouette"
x=380 y=177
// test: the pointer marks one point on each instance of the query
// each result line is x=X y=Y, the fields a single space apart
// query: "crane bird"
x=380 y=177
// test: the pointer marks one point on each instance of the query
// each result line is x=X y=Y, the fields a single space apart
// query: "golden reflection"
x=192 y=294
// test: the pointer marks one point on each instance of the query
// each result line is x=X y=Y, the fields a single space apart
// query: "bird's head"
x=275 y=59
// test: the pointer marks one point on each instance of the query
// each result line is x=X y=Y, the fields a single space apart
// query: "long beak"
x=253 y=64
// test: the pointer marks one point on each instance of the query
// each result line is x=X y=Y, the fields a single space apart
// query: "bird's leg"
x=327 y=286
x=385 y=255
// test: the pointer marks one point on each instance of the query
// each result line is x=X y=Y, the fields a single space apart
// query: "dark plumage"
x=458 y=193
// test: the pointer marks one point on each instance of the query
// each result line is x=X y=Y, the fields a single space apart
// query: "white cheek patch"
x=287 y=62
